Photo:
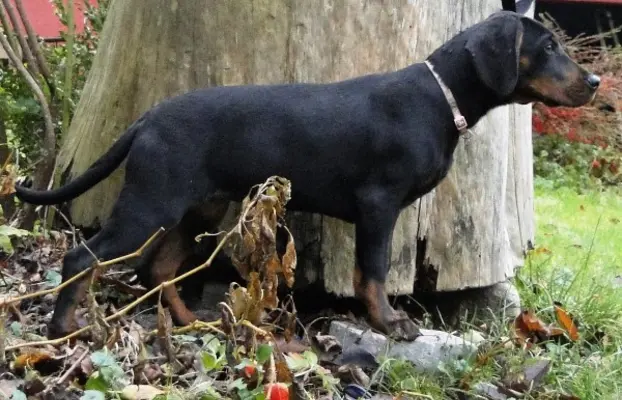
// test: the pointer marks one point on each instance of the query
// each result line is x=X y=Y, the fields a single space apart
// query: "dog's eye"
x=549 y=47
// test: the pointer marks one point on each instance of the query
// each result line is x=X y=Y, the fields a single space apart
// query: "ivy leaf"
x=53 y=278
x=96 y=383
x=102 y=359
x=16 y=328
x=263 y=353
x=93 y=395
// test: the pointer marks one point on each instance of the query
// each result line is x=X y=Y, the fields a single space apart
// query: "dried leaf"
x=542 y=250
x=327 y=343
x=255 y=309
x=566 y=321
x=271 y=282
x=289 y=346
x=164 y=332
x=8 y=179
x=289 y=260
x=529 y=328
x=140 y=392
x=30 y=358
x=268 y=227
x=248 y=243
x=529 y=377
x=137 y=332
x=283 y=373
x=239 y=301
x=352 y=374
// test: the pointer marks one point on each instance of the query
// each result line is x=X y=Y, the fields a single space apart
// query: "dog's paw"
x=399 y=326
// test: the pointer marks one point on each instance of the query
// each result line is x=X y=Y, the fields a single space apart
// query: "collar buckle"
x=461 y=123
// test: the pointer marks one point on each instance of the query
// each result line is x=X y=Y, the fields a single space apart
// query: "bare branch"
x=68 y=66
x=34 y=43
x=30 y=59
x=46 y=168
x=6 y=28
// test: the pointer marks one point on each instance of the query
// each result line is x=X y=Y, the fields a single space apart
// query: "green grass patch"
x=578 y=262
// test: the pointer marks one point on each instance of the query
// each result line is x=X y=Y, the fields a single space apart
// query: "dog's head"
x=522 y=61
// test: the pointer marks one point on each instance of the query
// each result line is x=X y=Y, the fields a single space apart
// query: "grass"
x=578 y=262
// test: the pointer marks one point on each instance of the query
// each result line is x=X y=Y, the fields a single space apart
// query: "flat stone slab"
x=426 y=352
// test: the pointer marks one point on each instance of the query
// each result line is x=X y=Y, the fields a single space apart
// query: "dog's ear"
x=494 y=47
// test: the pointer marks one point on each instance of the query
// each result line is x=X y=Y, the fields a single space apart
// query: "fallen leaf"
x=140 y=392
x=31 y=358
x=164 y=331
x=566 y=321
x=352 y=374
x=542 y=250
x=291 y=346
x=327 y=343
x=530 y=377
x=529 y=329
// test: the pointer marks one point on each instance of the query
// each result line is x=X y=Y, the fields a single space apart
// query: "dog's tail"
x=99 y=170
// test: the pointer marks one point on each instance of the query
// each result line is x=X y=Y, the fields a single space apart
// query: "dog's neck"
x=453 y=64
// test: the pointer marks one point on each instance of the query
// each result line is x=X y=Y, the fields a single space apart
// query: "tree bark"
x=469 y=232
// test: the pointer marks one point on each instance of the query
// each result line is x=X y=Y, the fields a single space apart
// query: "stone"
x=489 y=303
x=473 y=336
x=426 y=353
x=489 y=391
x=503 y=297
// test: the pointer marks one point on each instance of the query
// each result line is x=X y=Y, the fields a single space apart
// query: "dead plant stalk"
x=142 y=298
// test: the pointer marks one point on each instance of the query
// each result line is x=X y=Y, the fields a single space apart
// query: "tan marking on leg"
x=165 y=264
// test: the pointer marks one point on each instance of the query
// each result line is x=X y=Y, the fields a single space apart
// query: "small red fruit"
x=595 y=164
x=249 y=371
x=276 y=391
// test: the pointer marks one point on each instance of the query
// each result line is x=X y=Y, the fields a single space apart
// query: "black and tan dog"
x=359 y=150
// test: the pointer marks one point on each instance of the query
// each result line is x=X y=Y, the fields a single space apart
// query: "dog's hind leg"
x=131 y=224
x=374 y=230
x=178 y=247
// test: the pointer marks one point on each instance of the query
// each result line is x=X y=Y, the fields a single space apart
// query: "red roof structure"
x=608 y=2
x=45 y=22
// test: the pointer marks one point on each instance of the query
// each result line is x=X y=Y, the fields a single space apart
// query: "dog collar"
x=459 y=120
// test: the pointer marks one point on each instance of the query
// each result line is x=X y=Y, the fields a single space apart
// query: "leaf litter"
x=253 y=350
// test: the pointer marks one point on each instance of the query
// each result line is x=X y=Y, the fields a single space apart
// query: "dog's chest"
x=427 y=178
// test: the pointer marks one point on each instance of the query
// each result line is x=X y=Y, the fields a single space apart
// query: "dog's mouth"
x=577 y=94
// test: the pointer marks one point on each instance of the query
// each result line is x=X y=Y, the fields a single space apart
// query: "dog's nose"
x=593 y=81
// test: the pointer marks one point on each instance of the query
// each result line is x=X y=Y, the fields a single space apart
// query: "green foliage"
x=561 y=163
x=92 y=395
x=213 y=355
x=398 y=376
x=109 y=375
x=84 y=48
x=19 y=109
x=7 y=234
x=577 y=262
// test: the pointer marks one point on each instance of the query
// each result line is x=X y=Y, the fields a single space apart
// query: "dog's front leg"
x=373 y=241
